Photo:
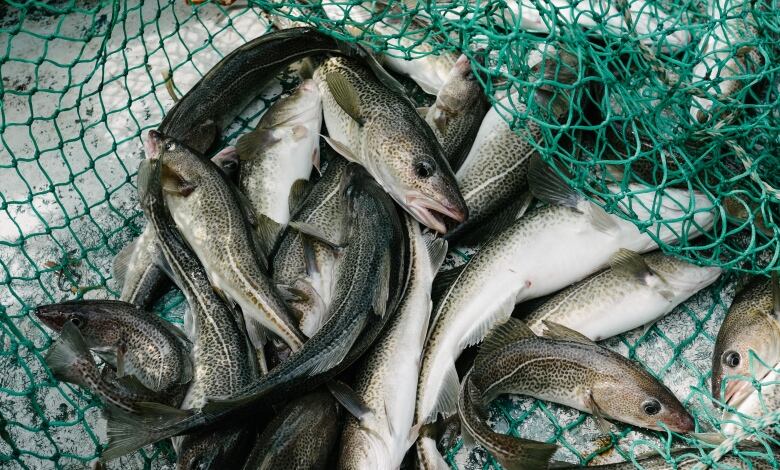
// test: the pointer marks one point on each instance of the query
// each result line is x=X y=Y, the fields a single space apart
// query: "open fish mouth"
x=433 y=214
x=738 y=390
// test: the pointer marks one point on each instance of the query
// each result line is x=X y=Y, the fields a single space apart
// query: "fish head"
x=182 y=168
x=93 y=321
x=304 y=105
x=461 y=90
x=683 y=277
x=636 y=398
x=411 y=167
x=748 y=345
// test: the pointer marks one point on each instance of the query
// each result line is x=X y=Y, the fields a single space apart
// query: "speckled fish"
x=137 y=342
x=215 y=101
x=636 y=290
x=457 y=114
x=304 y=266
x=302 y=435
x=376 y=245
x=216 y=222
x=428 y=64
x=386 y=383
x=545 y=250
x=225 y=361
x=567 y=368
x=280 y=152
x=225 y=448
x=751 y=325
x=748 y=414
x=495 y=171
x=137 y=266
x=70 y=360
x=371 y=121
x=513 y=453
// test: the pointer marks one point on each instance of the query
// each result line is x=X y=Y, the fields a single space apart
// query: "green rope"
x=80 y=82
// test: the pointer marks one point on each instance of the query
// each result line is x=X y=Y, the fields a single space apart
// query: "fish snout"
x=153 y=144
x=682 y=423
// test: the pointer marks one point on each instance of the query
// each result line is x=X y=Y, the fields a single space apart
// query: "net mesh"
x=82 y=80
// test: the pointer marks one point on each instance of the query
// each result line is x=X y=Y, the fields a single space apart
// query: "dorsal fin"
x=629 y=263
x=298 y=192
x=122 y=261
x=443 y=281
x=512 y=330
x=546 y=185
x=560 y=332
x=437 y=249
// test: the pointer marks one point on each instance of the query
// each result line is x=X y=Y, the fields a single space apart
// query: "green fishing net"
x=662 y=95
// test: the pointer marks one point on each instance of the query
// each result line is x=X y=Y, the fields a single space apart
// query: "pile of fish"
x=320 y=331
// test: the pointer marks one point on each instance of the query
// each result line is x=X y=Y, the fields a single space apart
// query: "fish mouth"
x=434 y=214
x=152 y=144
x=738 y=390
x=683 y=424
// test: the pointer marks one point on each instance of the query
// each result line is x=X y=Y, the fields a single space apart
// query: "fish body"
x=308 y=264
x=214 y=220
x=70 y=360
x=457 y=113
x=573 y=371
x=754 y=406
x=302 y=435
x=748 y=342
x=224 y=360
x=137 y=342
x=387 y=380
x=690 y=459
x=137 y=266
x=281 y=151
x=545 y=250
x=636 y=290
x=215 y=101
x=371 y=122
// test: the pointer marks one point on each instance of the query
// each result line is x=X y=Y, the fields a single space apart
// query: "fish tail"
x=129 y=432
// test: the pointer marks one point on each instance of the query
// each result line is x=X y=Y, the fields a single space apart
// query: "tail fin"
x=129 y=432
x=69 y=355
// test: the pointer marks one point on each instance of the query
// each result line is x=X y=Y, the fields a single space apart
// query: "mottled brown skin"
x=225 y=449
x=159 y=359
x=660 y=463
x=579 y=374
x=512 y=452
x=211 y=217
x=301 y=436
x=392 y=142
x=749 y=326
x=214 y=102
x=225 y=361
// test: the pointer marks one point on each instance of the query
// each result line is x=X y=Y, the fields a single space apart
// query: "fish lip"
x=152 y=144
x=425 y=209
x=737 y=390
x=685 y=424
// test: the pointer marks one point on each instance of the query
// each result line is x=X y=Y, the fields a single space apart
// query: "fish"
x=405 y=31
x=742 y=419
x=302 y=435
x=304 y=266
x=213 y=103
x=541 y=252
x=567 y=368
x=386 y=382
x=636 y=290
x=748 y=342
x=136 y=342
x=378 y=245
x=426 y=453
x=218 y=224
x=226 y=448
x=495 y=171
x=280 y=152
x=456 y=115
x=370 y=121
x=224 y=359
x=70 y=360
x=139 y=267
x=513 y=453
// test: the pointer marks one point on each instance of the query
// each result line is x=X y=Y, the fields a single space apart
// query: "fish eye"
x=78 y=322
x=651 y=407
x=732 y=358
x=423 y=169
x=170 y=146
